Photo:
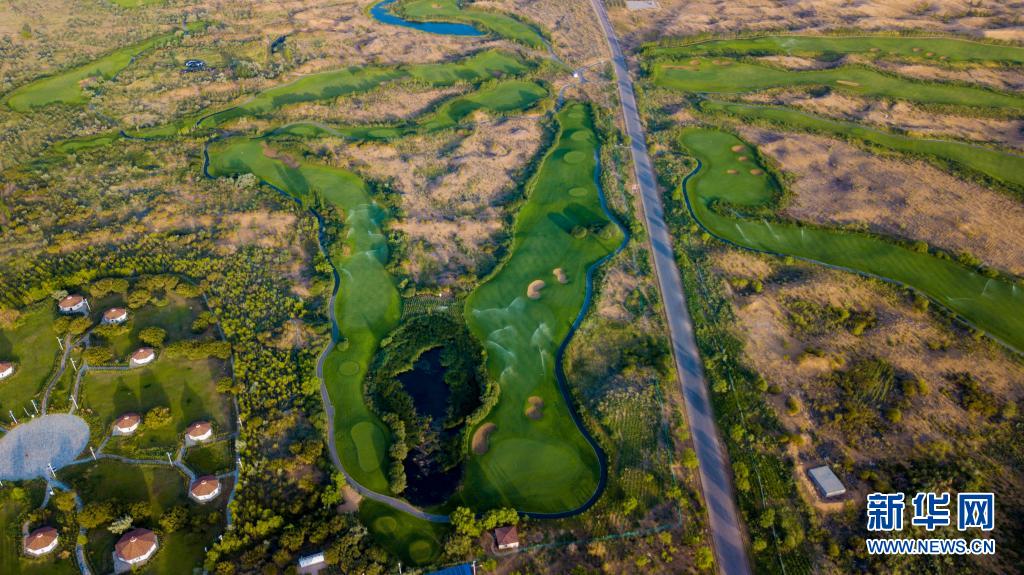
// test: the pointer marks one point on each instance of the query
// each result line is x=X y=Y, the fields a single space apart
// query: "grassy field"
x=64 y=87
x=502 y=97
x=329 y=85
x=188 y=388
x=413 y=540
x=175 y=318
x=928 y=49
x=992 y=304
x=542 y=465
x=12 y=560
x=367 y=306
x=449 y=10
x=162 y=488
x=211 y=459
x=1003 y=168
x=727 y=76
x=33 y=348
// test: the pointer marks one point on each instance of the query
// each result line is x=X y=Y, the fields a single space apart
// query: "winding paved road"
x=715 y=477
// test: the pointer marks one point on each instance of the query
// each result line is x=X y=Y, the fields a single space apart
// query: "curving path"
x=715 y=472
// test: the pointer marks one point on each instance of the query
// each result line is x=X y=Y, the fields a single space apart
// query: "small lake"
x=426 y=386
x=381 y=13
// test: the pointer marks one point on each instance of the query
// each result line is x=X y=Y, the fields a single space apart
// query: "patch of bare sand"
x=560 y=275
x=617 y=286
x=350 y=500
x=481 y=437
x=902 y=115
x=533 y=291
x=839 y=184
x=534 y=408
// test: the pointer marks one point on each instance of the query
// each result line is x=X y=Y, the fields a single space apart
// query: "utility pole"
x=35 y=407
x=52 y=471
x=73 y=363
x=11 y=411
x=74 y=402
x=93 y=452
x=60 y=343
x=169 y=458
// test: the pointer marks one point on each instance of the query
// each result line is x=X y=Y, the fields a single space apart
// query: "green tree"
x=153 y=336
x=174 y=519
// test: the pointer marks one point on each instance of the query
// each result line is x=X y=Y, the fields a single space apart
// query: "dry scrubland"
x=838 y=184
x=991 y=18
x=934 y=421
x=575 y=34
x=454 y=192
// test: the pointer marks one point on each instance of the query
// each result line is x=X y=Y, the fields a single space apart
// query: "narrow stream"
x=381 y=13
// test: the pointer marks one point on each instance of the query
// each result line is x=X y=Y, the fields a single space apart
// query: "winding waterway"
x=381 y=13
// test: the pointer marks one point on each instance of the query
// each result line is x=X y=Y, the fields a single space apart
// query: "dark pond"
x=381 y=13
x=427 y=483
x=425 y=384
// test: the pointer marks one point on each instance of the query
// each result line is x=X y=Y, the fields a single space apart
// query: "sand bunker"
x=756 y=172
x=847 y=83
x=559 y=274
x=481 y=436
x=737 y=148
x=534 y=407
x=533 y=290
x=741 y=159
x=731 y=171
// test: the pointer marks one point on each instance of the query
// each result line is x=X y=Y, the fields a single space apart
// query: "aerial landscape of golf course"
x=449 y=287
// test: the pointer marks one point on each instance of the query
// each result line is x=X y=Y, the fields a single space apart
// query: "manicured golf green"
x=991 y=304
x=329 y=85
x=32 y=347
x=367 y=306
x=949 y=49
x=187 y=387
x=1001 y=167
x=449 y=10
x=414 y=541
x=502 y=97
x=727 y=76
x=64 y=87
x=540 y=465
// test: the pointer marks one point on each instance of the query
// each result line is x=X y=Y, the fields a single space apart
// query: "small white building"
x=205 y=489
x=41 y=541
x=311 y=560
x=199 y=431
x=136 y=546
x=115 y=315
x=127 y=424
x=827 y=482
x=73 y=303
x=142 y=356
x=6 y=369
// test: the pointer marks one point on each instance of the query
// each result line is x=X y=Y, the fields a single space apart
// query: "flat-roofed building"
x=827 y=482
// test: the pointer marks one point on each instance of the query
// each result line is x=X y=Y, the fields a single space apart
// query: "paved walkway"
x=715 y=471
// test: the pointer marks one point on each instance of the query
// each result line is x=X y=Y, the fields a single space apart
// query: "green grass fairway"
x=726 y=76
x=367 y=307
x=502 y=97
x=188 y=388
x=413 y=540
x=64 y=88
x=1002 y=168
x=952 y=49
x=162 y=488
x=449 y=10
x=994 y=305
x=33 y=348
x=329 y=85
x=541 y=465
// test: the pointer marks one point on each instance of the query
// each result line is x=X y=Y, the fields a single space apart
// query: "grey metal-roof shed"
x=827 y=482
